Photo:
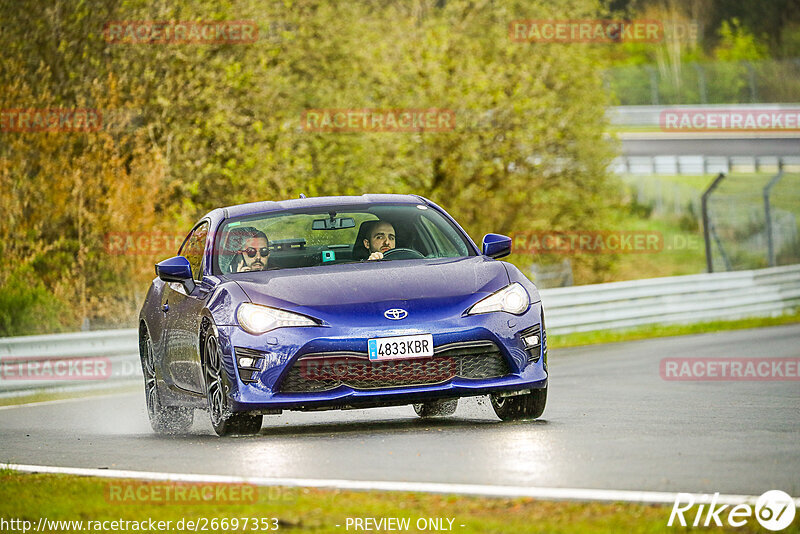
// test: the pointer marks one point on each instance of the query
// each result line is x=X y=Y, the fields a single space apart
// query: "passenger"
x=380 y=238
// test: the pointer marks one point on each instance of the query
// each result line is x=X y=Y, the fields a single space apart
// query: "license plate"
x=397 y=347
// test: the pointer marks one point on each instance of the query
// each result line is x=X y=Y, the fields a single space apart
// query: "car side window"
x=444 y=246
x=193 y=249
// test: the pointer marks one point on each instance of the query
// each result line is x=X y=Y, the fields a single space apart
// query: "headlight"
x=258 y=319
x=512 y=299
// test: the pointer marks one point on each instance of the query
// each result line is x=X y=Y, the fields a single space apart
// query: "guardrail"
x=114 y=353
x=672 y=300
x=700 y=165
x=677 y=299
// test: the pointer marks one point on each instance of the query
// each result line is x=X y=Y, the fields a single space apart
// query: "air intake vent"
x=327 y=371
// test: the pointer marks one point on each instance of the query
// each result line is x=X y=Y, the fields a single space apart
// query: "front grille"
x=326 y=371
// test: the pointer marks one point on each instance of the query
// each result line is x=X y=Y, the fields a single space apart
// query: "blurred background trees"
x=190 y=127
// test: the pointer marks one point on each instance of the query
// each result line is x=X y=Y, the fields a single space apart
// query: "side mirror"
x=177 y=269
x=496 y=245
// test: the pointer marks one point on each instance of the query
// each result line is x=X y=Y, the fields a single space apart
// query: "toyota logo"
x=395 y=314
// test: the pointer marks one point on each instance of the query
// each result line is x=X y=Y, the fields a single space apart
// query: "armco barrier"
x=677 y=299
x=671 y=300
x=121 y=347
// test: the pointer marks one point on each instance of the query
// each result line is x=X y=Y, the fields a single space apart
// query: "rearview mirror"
x=496 y=245
x=337 y=223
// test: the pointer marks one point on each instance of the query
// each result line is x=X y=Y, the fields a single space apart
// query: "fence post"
x=653 y=85
x=767 y=217
x=701 y=82
x=751 y=80
x=706 y=226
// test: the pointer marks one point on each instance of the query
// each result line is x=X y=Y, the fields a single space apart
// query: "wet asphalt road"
x=611 y=423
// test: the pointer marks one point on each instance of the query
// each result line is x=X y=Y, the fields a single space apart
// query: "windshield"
x=329 y=236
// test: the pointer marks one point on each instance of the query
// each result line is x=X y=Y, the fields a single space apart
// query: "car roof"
x=318 y=202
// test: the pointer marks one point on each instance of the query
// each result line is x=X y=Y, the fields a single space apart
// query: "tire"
x=163 y=419
x=439 y=408
x=224 y=421
x=528 y=406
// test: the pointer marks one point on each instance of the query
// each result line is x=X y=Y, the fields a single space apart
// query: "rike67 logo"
x=774 y=510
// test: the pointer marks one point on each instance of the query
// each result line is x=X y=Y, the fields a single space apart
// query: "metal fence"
x=678 y=299
x=719 y=82
x=752 y=221
x=699 y=165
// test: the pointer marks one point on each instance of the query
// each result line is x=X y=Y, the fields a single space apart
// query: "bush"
x=27 y=306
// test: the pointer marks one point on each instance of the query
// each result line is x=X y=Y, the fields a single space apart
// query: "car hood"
x=368 y=283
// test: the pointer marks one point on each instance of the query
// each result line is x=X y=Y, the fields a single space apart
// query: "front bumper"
x=283 y=347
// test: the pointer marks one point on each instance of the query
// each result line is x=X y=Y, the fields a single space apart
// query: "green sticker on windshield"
x=328 y=255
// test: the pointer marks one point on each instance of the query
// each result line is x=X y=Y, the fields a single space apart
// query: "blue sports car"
x=335 y=303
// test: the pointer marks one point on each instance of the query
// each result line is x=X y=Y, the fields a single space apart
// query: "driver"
x=380 y=238
x=252 y=250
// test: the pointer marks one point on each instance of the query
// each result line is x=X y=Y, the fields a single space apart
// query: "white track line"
x=557 y=494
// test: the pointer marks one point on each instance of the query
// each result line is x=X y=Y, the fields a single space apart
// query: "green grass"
x=683 y=252
x=65 y=497
x=647 y=332
x=44 y=396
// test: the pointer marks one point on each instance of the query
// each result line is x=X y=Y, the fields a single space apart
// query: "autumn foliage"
x=190 y=126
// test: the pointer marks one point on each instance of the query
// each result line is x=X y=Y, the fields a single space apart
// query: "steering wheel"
x=402 y=254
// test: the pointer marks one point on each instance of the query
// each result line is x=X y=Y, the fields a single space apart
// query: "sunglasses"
x=251 y=252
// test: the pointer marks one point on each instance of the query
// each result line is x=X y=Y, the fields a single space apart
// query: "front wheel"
x=224 y=421
x=163 y=419
x=527 y=406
